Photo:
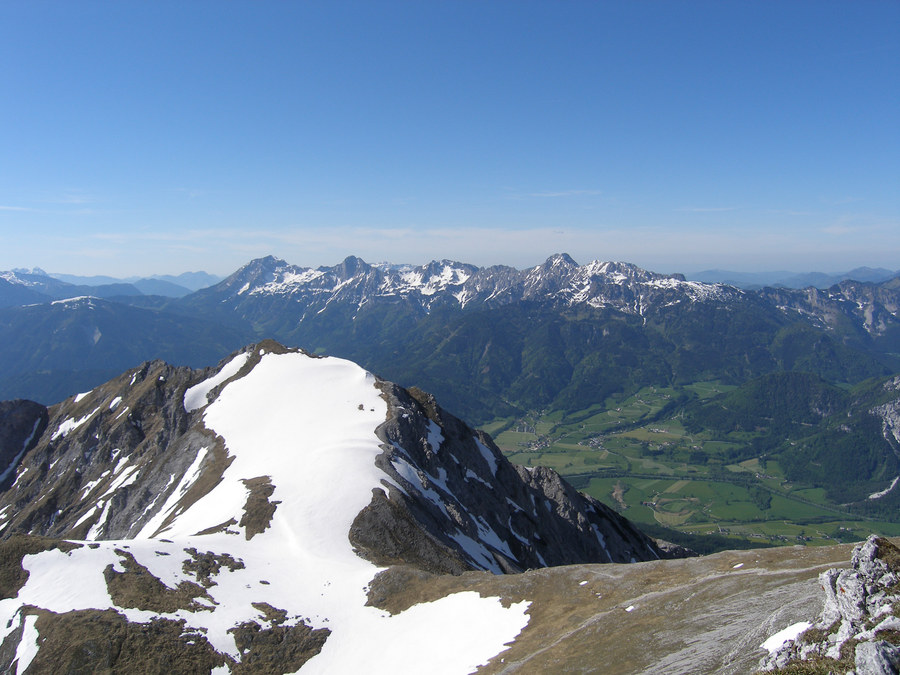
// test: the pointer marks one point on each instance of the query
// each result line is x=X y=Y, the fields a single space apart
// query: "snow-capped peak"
x=559 y=279
x=270 y=497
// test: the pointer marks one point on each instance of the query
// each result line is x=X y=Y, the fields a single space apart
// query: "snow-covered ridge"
x=305 y=429
x=78 y=301
x=267 y=493
x=14 y=278
x=559 y=280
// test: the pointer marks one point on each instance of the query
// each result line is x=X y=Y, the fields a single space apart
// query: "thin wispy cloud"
x=707 y=209
x=15 y=208
x=73 y=198
x=789 y=212
x=840 y=230
x=844 y=201
x=657 y=248
x=566 y=193
x=191 y=193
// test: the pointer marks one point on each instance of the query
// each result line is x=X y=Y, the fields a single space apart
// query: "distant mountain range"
x=35 y=285
x=754 y=280
x=489 y=340
x=196 y=515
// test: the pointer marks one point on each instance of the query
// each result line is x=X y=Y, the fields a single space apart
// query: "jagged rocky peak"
x=550 y=275
x=351 y=266
x=95 y=448
x=559 y=279
x=559 y=261
x=255 y=273
x=445 y=272
x=226 y=510
x=487 y=513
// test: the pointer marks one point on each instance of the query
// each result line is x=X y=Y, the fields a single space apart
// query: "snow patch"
x=28 y=645
x=601 y=540
x=472 y=474
x=91 y=484
x=488 y=456
x=417 y=479
x=97 y=528
x=774 y=643
x=85 y=517
x=195 y=397
x=187 y=480
x=476 y=551
x=435 y=437
x=70 y=424
x=879 y=495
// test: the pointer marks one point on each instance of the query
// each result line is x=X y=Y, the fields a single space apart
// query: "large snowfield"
x=308 y=424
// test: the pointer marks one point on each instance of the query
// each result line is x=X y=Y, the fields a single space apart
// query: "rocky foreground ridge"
x=858 y=630
x=234 y=519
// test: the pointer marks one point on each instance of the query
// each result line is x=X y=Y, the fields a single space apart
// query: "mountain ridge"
x=159 y=422
x=255 y=496
x=503 y=340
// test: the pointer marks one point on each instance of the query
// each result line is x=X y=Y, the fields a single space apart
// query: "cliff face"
x=459 y=488
x=234 y=516
x=21 y=425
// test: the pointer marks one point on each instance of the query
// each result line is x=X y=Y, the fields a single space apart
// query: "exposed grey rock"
x=845 y=596
x=558 y=281
x=71 y=469
x=859 y=605
x=889 y=413
x=460 y=494
x=672 y=551
x=877 y=658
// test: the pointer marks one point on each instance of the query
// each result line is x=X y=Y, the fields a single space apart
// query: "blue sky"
x=161 y=137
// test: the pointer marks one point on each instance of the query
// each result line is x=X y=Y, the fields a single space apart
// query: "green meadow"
x=636 y=456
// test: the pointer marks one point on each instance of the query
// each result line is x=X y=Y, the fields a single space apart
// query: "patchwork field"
x=636 y=456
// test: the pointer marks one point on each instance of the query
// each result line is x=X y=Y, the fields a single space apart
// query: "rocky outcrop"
x=889 y=413
x=858 y=630
x=106 y=459
x=456 y=493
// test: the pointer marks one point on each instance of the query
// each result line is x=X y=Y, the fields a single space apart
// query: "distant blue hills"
x=755 y=280
x=158 y=284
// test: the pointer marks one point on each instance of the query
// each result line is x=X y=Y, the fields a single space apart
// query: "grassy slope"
x=692 y=616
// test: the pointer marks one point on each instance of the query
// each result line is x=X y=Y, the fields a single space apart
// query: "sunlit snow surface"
x=195 y=397
x=308 y=424
x=790 y=633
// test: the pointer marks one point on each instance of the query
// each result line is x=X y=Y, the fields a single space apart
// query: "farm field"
x=636 y=456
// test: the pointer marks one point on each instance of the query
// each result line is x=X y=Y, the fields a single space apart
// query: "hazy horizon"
x=153 y=138
x=688 y=272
